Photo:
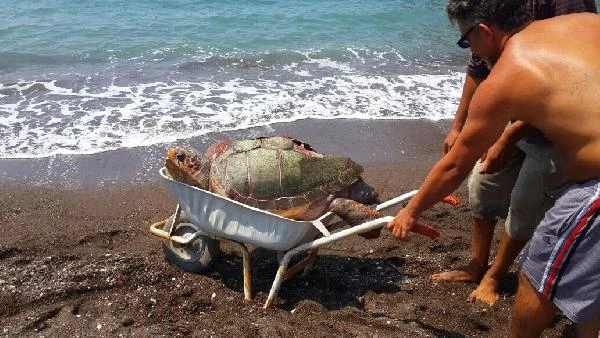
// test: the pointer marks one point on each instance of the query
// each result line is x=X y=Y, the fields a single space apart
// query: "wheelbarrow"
x=202 y=219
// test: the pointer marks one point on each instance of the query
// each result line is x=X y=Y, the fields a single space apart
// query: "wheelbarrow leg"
x=281 y=272
x=311 y=264
x=277 y=282
x=304 y=265
x=175 y=220
x=282 y=275
x=247 y=269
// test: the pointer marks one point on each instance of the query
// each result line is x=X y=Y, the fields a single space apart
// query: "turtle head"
x=363 y=193
x=188 y=166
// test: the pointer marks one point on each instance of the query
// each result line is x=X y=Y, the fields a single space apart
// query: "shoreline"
x=368 y=142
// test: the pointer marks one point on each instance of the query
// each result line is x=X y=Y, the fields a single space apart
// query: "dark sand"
x=76 y=257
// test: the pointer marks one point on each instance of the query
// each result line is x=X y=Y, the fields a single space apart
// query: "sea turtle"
x=279 y=174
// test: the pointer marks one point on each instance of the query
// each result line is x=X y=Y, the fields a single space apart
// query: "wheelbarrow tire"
x=198 y=256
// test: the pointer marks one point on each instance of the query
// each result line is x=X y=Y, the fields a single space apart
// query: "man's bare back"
x=555 y=86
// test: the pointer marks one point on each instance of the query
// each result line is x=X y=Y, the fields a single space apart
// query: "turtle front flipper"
x=355 y=213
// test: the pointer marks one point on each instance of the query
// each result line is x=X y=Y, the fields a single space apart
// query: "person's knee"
x=519 y=231
x=525 y=289
x=521 y=307
x=529 y=297
x=531 y=312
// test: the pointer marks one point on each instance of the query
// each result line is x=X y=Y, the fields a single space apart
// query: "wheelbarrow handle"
x=396 y=200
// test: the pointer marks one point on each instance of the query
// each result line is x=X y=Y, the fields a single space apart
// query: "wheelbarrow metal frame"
x=283 y=272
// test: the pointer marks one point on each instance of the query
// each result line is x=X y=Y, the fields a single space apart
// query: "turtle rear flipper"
x=355 y=213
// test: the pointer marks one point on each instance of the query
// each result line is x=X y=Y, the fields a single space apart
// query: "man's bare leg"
x=508 y=250
x=589 y=328
x=531 y=312
x=482 y=233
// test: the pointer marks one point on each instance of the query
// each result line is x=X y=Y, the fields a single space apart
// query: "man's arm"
x=500 y=153
x=486 y=120
x=496 y=157
x=460 y=117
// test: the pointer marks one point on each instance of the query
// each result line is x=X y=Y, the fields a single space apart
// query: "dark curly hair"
x=504 y=14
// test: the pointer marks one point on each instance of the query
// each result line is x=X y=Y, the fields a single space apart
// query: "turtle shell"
x=279 y=174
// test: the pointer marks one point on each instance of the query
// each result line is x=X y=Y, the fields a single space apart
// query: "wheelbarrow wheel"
x=198 y=256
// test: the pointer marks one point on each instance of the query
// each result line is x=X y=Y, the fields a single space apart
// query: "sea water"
x=79 y=77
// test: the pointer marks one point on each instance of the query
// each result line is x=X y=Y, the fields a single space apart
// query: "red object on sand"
x=452 y=200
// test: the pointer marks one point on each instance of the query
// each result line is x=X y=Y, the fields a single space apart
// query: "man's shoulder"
x=516 y=64
x=516 y=78
x=524 y=58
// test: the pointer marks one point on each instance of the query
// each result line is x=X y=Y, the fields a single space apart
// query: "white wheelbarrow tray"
x=226 y=219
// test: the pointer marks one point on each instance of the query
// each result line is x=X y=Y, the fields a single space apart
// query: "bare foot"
x=455 y=276
x=486 y=291
x=472 y=273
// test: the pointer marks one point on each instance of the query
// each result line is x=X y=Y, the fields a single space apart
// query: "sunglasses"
x=463 y=42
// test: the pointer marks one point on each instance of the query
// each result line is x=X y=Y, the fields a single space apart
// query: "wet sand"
x=76 y=257
x=367 y=142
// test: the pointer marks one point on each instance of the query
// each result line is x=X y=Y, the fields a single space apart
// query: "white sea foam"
x=42 y=118
x=328 y=63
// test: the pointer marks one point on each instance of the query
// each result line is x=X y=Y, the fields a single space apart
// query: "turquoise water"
x=87 y=76
x=74 y=32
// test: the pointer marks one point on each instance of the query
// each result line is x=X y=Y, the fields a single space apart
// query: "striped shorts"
x=563 y=258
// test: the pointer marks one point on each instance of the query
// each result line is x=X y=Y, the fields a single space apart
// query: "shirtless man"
x=518 y=179
x=545 y=73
